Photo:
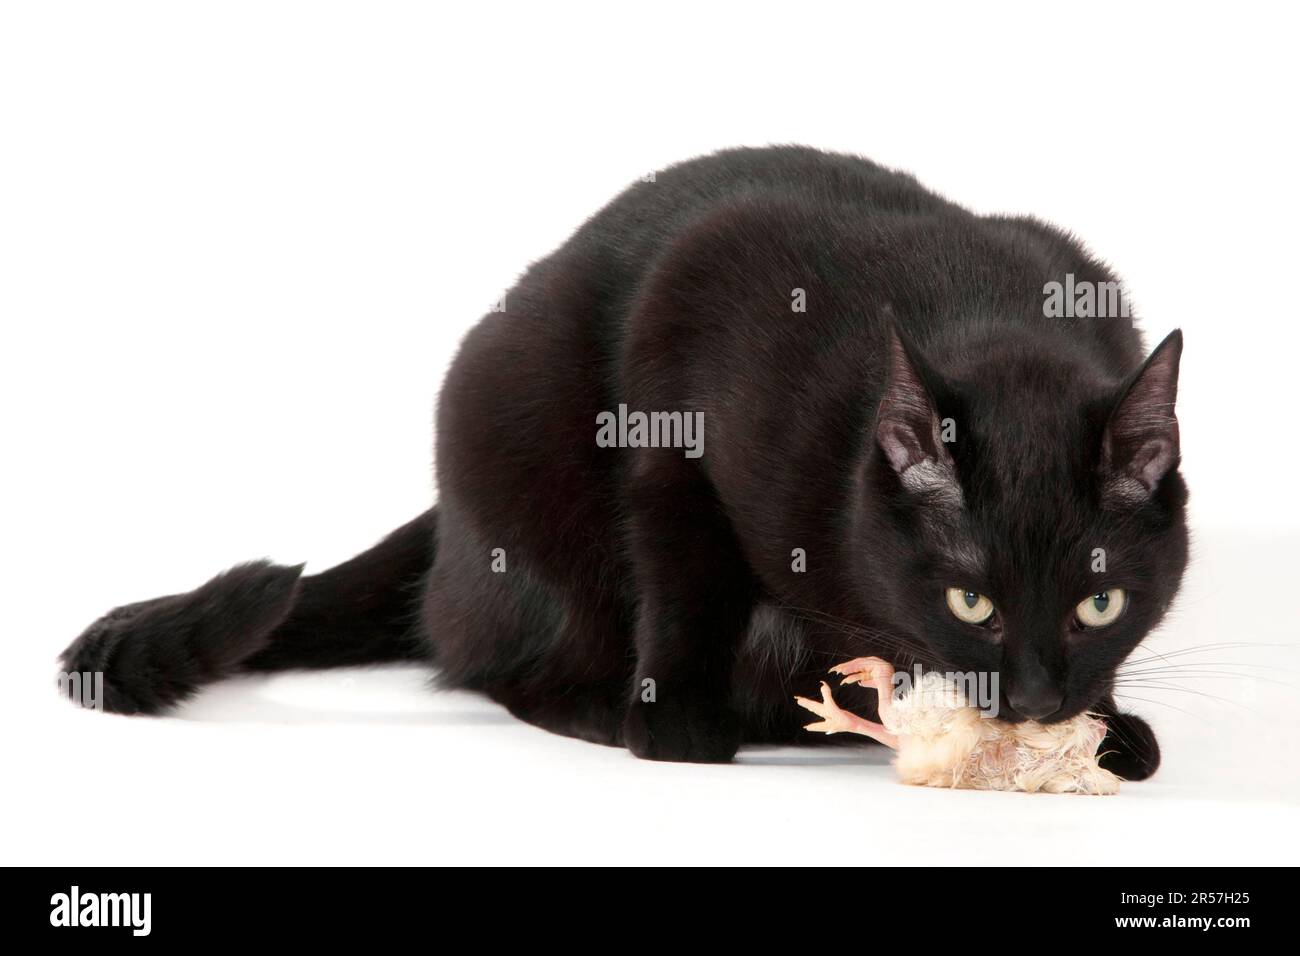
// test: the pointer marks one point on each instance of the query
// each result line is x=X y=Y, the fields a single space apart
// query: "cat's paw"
x=1129 y=749
x=681 y=728
x=99 y=650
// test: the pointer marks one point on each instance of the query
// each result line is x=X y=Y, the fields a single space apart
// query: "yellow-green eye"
x=969 y=606
x=1102 y=608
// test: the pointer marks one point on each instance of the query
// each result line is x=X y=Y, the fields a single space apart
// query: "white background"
x=239 y=243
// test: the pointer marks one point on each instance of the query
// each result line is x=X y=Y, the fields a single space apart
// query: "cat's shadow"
x=319 y=698
x=815 y=757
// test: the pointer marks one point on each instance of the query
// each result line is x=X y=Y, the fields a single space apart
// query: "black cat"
x=897 y=453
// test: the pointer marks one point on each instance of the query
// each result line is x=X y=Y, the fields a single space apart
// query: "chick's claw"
x=864 y=670
x=836 y=720
x=874 y=673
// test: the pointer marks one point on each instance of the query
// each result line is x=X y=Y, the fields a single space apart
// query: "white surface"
x=239 y=244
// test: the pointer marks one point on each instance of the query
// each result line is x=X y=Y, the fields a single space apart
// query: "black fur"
x=626 y=565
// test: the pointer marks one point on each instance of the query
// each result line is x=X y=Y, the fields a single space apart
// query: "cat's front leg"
x=694 y=595
x=1129 y=749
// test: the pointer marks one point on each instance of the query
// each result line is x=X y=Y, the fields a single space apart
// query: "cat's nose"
x=1035 y=703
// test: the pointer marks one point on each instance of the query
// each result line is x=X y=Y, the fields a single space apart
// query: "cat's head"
x=1033 y=518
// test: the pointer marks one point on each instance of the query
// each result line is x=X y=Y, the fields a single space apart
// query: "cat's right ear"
x=908 y=429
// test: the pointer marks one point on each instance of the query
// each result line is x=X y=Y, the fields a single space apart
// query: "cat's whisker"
x=851 y=629
x=1162 y=703
x=1191 y=675
x=1188 y=690
x=1157 y=655
x=848 y=627
x=1199 y=665
x=1204 y=665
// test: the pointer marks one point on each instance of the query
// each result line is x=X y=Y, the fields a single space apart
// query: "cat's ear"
x=1140 y=444
x=908 y=429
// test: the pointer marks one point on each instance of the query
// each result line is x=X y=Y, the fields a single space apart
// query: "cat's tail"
x=259 y=617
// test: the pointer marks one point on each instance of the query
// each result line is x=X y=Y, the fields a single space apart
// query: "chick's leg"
x=836 y=720
x=874 y=673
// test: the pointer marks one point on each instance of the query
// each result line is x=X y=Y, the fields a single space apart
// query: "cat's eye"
x=971 y=607
x=1101 y=608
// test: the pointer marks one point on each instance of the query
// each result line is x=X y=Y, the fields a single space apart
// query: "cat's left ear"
x=1140 y=443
